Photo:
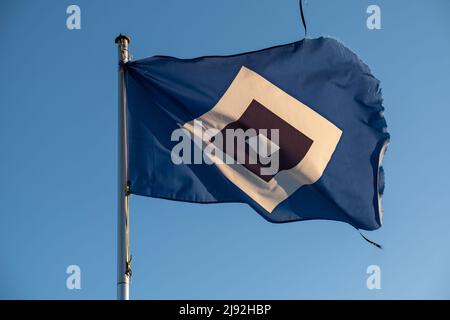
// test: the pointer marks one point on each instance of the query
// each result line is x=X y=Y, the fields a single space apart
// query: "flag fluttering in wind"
x=296 y=131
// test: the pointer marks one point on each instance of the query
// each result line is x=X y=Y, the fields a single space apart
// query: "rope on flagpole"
x=302 y=15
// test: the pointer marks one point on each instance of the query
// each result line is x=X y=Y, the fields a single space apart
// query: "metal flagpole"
x=123 y=228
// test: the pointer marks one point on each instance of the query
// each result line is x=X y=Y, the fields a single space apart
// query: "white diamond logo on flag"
x=254 y=98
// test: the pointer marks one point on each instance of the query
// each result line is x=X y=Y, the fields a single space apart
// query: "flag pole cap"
x=122 y=36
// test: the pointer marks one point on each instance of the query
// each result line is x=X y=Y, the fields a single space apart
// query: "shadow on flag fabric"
x=308 y=115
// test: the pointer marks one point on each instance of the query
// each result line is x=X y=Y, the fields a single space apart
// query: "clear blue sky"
x=58 y=157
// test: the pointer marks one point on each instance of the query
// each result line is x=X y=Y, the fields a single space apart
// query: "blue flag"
x=296 y=131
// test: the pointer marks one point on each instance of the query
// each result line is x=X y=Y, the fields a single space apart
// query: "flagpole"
x=123 y=228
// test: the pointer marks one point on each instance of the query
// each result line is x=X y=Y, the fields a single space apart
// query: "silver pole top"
x=122 y=42
x=122 y=37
